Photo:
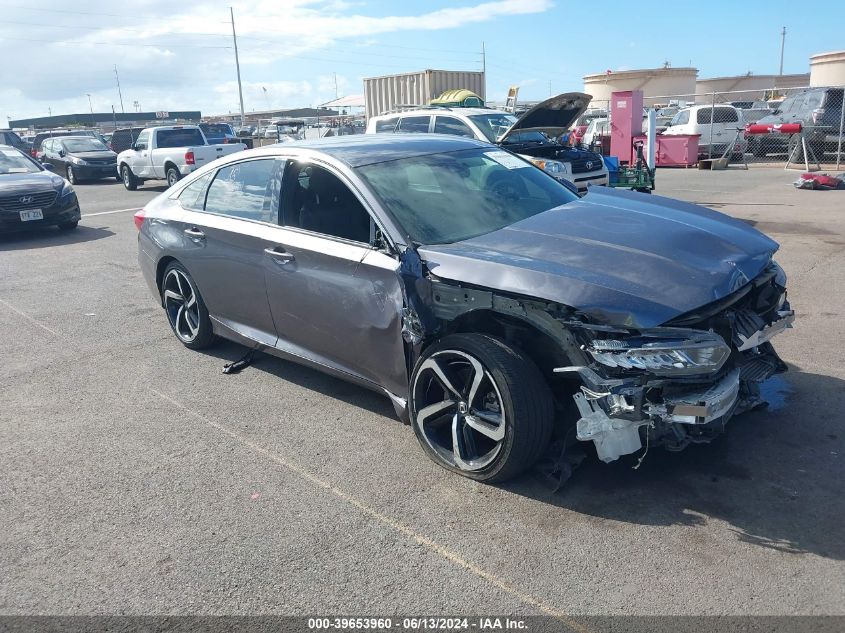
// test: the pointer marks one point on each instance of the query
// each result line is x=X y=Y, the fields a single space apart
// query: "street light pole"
x=782 y=44
x=238 y=66
x=91 y=108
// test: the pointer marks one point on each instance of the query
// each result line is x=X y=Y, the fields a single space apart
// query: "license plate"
x=31 y=214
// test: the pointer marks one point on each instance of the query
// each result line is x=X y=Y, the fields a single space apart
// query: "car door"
x=230 y=218
x=335 y=297
x=140 y=160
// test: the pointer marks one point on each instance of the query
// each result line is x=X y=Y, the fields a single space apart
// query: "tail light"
x=189 y=158
x=818 y=113
x=33 y=152
x=139 y=218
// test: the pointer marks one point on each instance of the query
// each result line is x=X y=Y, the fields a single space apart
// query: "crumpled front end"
x=680 y=383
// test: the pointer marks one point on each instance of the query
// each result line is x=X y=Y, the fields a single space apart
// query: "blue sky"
x=179 y=56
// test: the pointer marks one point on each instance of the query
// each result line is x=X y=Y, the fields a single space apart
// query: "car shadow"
x=775 y=477
x=49 y=237
x=307 y=378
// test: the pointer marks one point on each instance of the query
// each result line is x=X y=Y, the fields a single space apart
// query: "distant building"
x=654 y=82
x=107 y=120
x=827 y=69
x=749 y=87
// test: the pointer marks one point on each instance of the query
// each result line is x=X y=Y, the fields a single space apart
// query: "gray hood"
x=553 y=116
x=625 y=259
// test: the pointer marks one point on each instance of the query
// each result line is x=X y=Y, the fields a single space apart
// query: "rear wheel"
x=129 y=179
x=480 y=408
x=185 y=308
x=173 y=176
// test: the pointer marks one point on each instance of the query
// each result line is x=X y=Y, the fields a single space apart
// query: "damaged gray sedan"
x=507 y=320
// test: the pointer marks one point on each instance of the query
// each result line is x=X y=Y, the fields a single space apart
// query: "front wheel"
x=71 y=176
x=129 y=179
x=68 y=226
x=480 y=408
x=185 y=308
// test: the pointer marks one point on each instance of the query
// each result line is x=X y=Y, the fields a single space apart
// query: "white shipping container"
x=386 y=93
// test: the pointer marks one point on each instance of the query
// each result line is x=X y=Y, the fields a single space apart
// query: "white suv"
x=532 y=135
x=717 y=126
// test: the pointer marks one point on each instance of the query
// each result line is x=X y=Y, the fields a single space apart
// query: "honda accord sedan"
x=507 y=319
x=31 y=196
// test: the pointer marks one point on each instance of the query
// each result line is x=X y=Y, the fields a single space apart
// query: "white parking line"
x=29 y=318
x=88 y=215
x=382 y=518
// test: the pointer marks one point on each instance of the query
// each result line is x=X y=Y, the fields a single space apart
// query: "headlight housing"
x=77 y=161
x=663 y=352
x=67 y=190
x=554 y=167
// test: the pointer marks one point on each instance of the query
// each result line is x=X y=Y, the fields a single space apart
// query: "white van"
x=717 y=126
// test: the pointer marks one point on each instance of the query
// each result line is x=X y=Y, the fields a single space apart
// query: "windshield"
x=14 y=162
x=494 y=124
x=216 y=129
x=443 y=198
x=83 y=144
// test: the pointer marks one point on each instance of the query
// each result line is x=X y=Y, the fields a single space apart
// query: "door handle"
x=195 y=234
x=279 y=255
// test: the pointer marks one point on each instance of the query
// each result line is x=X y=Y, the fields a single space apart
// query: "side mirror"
x=62 y=153
x=139 y=146
x=48 y=166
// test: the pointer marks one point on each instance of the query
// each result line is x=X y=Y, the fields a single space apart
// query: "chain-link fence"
x=804 y=127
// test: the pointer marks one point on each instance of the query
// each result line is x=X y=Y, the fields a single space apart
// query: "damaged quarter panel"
x=619 y=257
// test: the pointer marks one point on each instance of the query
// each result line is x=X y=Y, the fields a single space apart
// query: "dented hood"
x=553 y=116
x=623 y=258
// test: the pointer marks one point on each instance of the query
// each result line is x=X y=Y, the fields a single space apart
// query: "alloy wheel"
x=459 y=410
x=126 y=179
x=180 y=302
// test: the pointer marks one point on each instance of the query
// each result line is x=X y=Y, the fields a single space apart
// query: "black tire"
x=130 y=181
x=172 y=176
x=118 y=178
x=511 y=379
x=68 y=226
x=71 y=175
x=204 y=336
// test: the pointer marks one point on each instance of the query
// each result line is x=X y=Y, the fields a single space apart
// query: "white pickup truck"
x=168 y=153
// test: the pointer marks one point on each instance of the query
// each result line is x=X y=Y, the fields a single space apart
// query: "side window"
x=812 y=101
x=385 y=126
x=143 y=138
x=724 y=115
x=451 y=125
x=319 y=201
x=414 y=124
x=245 y=190
x=702 y=117
x=46 y=146
x=193 y=196
x=681 y=118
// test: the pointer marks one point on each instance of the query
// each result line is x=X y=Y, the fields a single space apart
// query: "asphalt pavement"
x=136 y=478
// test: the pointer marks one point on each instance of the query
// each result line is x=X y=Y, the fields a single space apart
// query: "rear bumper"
x=59 y=213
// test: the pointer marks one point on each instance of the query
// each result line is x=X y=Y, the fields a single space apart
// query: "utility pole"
x=238 y=66
x=120 y=94
x=335 y=85
x=91 y=108
x=483 y=60
x=782 y=43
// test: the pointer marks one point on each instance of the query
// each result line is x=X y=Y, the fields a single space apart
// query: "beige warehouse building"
x=750 y=86
x=827 y=69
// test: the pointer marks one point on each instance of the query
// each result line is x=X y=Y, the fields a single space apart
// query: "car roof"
x=366 y=149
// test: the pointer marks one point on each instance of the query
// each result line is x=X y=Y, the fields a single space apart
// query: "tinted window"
x=720 y=115
x=451 y=125
x=245 y=190
x=491 y=187
x=319 y=201
x=387 y=125
x=216 y=129
x=179 y=138
x=193 y=196
x=494 y=124
x=813 y=100
x=414 y=124
x=84 y=145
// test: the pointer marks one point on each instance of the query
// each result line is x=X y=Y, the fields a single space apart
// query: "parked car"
x=79 y=158
x=532 y=136
x=168 y=153
x=31 y=196
x=488 y=328
x=36 y=153
x=124 y=138
x=582 y=122
x=717 y=126
x=12 y=139
x=218 y=133
x=818 y=110
x=596 y=129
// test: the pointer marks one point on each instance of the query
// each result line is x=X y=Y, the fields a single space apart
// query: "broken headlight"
x=664 y=352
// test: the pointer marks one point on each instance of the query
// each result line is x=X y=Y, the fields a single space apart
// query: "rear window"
x=216 y=129
x=414 y=124
x=720 y=115
x=179 y=138
x=385 y=126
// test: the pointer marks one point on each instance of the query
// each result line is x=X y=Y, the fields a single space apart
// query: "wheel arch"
x=161 y=266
